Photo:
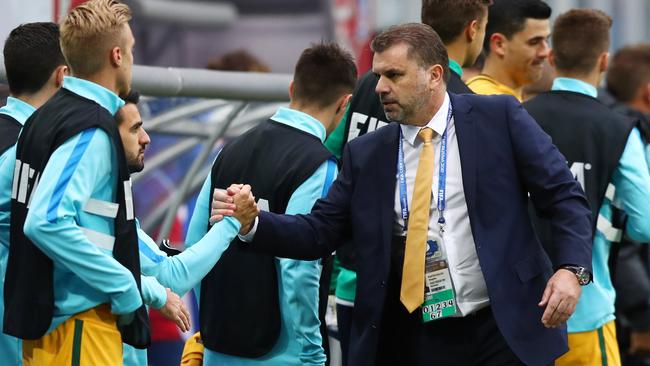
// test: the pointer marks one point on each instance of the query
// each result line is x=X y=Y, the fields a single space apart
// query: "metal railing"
x=173 y=81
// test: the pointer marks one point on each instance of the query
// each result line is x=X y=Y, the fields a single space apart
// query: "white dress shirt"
x=466 y=274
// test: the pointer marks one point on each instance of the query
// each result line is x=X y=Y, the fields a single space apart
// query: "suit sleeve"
x=553 y=190
x=66 y=184
x=314 y=235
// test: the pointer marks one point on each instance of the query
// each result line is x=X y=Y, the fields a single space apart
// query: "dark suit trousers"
x=473 y=340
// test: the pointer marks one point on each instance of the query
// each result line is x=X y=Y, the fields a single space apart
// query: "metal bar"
x=160 y=81
x=251 y=86
x=180 y=194
x=185 y=128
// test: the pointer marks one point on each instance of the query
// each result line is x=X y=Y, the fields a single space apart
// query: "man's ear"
x=551 y=58
x=59 y=73
x=291 y=90
x=498 y=44
x=603 y=62
x=471 y=30
x=116 y=56
x=343 y=103
x=435 y=74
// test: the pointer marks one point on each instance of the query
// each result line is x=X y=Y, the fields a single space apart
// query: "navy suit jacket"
x=504 y=155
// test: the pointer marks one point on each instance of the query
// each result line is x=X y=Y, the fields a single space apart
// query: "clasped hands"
x=236 y=201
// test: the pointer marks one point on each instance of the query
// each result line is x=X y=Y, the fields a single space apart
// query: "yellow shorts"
x=88 y=338
x=193 y=351
x=594 y=348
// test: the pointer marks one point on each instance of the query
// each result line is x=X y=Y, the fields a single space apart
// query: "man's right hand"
x=245 y=208
x=174 y=310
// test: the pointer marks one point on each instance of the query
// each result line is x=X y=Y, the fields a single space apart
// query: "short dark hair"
x=132 y=97
x=31 y=54
x=449 y=17
x=628 y=71
x=323 y=73
x=425 y=46
x=508 y=17
x=579 y=37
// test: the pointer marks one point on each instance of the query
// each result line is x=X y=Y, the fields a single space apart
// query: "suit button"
x=373 y=326
x=383 y=283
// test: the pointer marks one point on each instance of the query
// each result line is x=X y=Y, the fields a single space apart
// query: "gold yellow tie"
x=412 y=290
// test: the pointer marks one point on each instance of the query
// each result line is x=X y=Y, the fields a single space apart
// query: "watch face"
x=583 y=276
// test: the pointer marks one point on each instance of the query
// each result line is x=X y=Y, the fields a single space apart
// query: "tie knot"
x=426 y=135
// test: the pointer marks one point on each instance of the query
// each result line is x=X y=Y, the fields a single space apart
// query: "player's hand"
x=174 y=310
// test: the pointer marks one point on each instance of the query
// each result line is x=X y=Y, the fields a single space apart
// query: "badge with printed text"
x=439 y=294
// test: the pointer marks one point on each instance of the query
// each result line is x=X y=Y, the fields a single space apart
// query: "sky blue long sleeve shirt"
x=629 y=190
x=58 y=222
x=300 y=341
x=10 y=347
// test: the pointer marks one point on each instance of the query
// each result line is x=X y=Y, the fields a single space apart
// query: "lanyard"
x=442 y=177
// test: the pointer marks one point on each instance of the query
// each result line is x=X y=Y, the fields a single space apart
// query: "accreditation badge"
x=439 y=294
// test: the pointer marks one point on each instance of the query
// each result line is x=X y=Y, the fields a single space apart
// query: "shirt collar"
x=438 y=123
x=455 y=67
x=17 y=109
x=95 y=92
x=301 y=121
x=497 y=87
x=574 y=85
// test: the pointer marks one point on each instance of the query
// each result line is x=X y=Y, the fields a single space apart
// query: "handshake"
x=236 y=201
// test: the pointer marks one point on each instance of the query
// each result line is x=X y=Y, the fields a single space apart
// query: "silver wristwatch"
x=582 y=274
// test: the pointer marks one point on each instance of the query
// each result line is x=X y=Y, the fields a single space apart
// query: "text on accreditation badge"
x=439 y=294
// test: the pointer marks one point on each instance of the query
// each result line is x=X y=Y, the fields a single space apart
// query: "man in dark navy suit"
x=438 y=203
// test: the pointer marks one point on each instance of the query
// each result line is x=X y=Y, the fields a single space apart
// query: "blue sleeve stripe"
x=69 y=168
x=329 y=176
x=144 y=249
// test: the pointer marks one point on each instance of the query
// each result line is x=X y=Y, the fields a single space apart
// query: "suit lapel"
x=467 y=146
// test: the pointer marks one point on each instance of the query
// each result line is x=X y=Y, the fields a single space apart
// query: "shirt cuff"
x=153 y=293
x=126 y=302
x=251 y=234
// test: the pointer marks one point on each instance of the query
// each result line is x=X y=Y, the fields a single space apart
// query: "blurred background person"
x=628 y=92
x=238 y=60
x=515 y=47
